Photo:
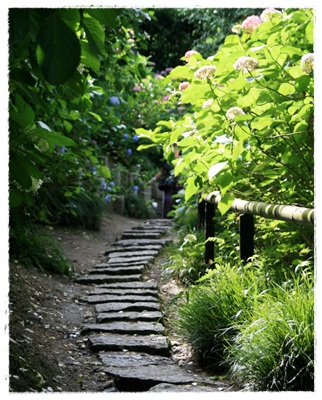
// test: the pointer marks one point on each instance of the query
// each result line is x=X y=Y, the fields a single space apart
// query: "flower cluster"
x=307 y=63
x=246 y=64
x=266 y=15
x=207 y=103
x=205 y=72
x=183 y=85
x=190 y=53
x=250 y=23
x=233 y=112
x=114 y=101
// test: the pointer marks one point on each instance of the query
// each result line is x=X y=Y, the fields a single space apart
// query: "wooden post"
x=246 y=236
x=209 y=232
x=201 y=215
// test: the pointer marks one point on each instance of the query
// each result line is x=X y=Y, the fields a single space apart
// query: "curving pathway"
x=128 y=336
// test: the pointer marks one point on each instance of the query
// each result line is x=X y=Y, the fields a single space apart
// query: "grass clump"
x=274 y=349
x=208 y=317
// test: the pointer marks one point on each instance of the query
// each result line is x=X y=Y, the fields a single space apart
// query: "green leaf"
x=215 y=169
x=261 y=123
x=309 y=32
x=22 y=169
x=15 y=198
x=225 y=202
x=22 y=113
x=181 y=72
x=250 y=98
x=105 y=171
x=286 y=89
x=53 y=138
x=71 y=17
x=145 y=146
x=191 y=188
x=106 y=16
x=195 y=92
x=57 y=50
x=89 y=57
x=94 y=34
x=96 y=116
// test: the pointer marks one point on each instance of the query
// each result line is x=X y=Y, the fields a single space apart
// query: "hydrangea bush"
x=247 y=129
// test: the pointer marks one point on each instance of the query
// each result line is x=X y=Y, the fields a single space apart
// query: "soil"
x=47 y=352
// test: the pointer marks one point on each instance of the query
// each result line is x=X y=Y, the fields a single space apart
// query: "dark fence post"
x=210 y=209
x=246 y=236
x=201 y=214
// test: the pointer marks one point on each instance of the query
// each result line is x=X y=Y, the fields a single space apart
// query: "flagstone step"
x=106 y=298
x=126 y=327
x=117 y=270
x=104 y=278
x=129 y=316
x=123 y=292
x=137 y=306
x=129 y=285
x=150 y=344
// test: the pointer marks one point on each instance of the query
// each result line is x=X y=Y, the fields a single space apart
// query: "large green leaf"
x=94 y=34
x=225 y=202
x=89 y=57
x=106 y=16
x=21 y=112
x=58 y=50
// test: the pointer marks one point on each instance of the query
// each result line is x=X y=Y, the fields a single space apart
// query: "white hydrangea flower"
x=267 y=14
x=207 y=103
x=233 y=112
x=246 y=64
x=307 y=63
x=205 y=72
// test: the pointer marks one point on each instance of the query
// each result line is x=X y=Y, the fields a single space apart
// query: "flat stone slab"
x=118 y=270
x=126 y=260
x=132 y=359
x=126 y=327
x=110 y=298
x=194 y=387
x=139 y=252
x=104 y=278
x=142 y=242
x=123 y=292
x=129 y=316
x=130 y=285
x=132 y=379
x=140 y=235
x=138 y=306
x=150 y=344
x=111 y=263
x=147 y=247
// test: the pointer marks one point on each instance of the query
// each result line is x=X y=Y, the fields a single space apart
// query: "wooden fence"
x=247 y=210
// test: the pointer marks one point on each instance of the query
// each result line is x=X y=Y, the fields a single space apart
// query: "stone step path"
x=128 y=336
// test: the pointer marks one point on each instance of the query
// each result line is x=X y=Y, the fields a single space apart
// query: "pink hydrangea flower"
x=189 y=53
x=183 y=85
x=251 y=22
x=166 y=98
x=136 y=88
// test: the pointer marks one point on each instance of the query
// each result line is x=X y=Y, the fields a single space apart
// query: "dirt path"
x=47 y=351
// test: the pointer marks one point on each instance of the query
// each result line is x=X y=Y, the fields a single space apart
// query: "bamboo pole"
x=299 y=215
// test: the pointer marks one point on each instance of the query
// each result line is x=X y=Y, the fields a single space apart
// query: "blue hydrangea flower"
x=126 y=136
x=114 y=101
x=112 y=184
x=135 y=188
x=135 y=138
x=103 y=185
x=109 y=188
x=107 y=198
x=93 y=169
x=128 y=152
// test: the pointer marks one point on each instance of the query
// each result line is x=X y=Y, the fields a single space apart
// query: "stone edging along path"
x=128 y=337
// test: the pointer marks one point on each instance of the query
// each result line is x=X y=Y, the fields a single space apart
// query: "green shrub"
x=212 y=310
x=33 y=248
x=274 y=350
